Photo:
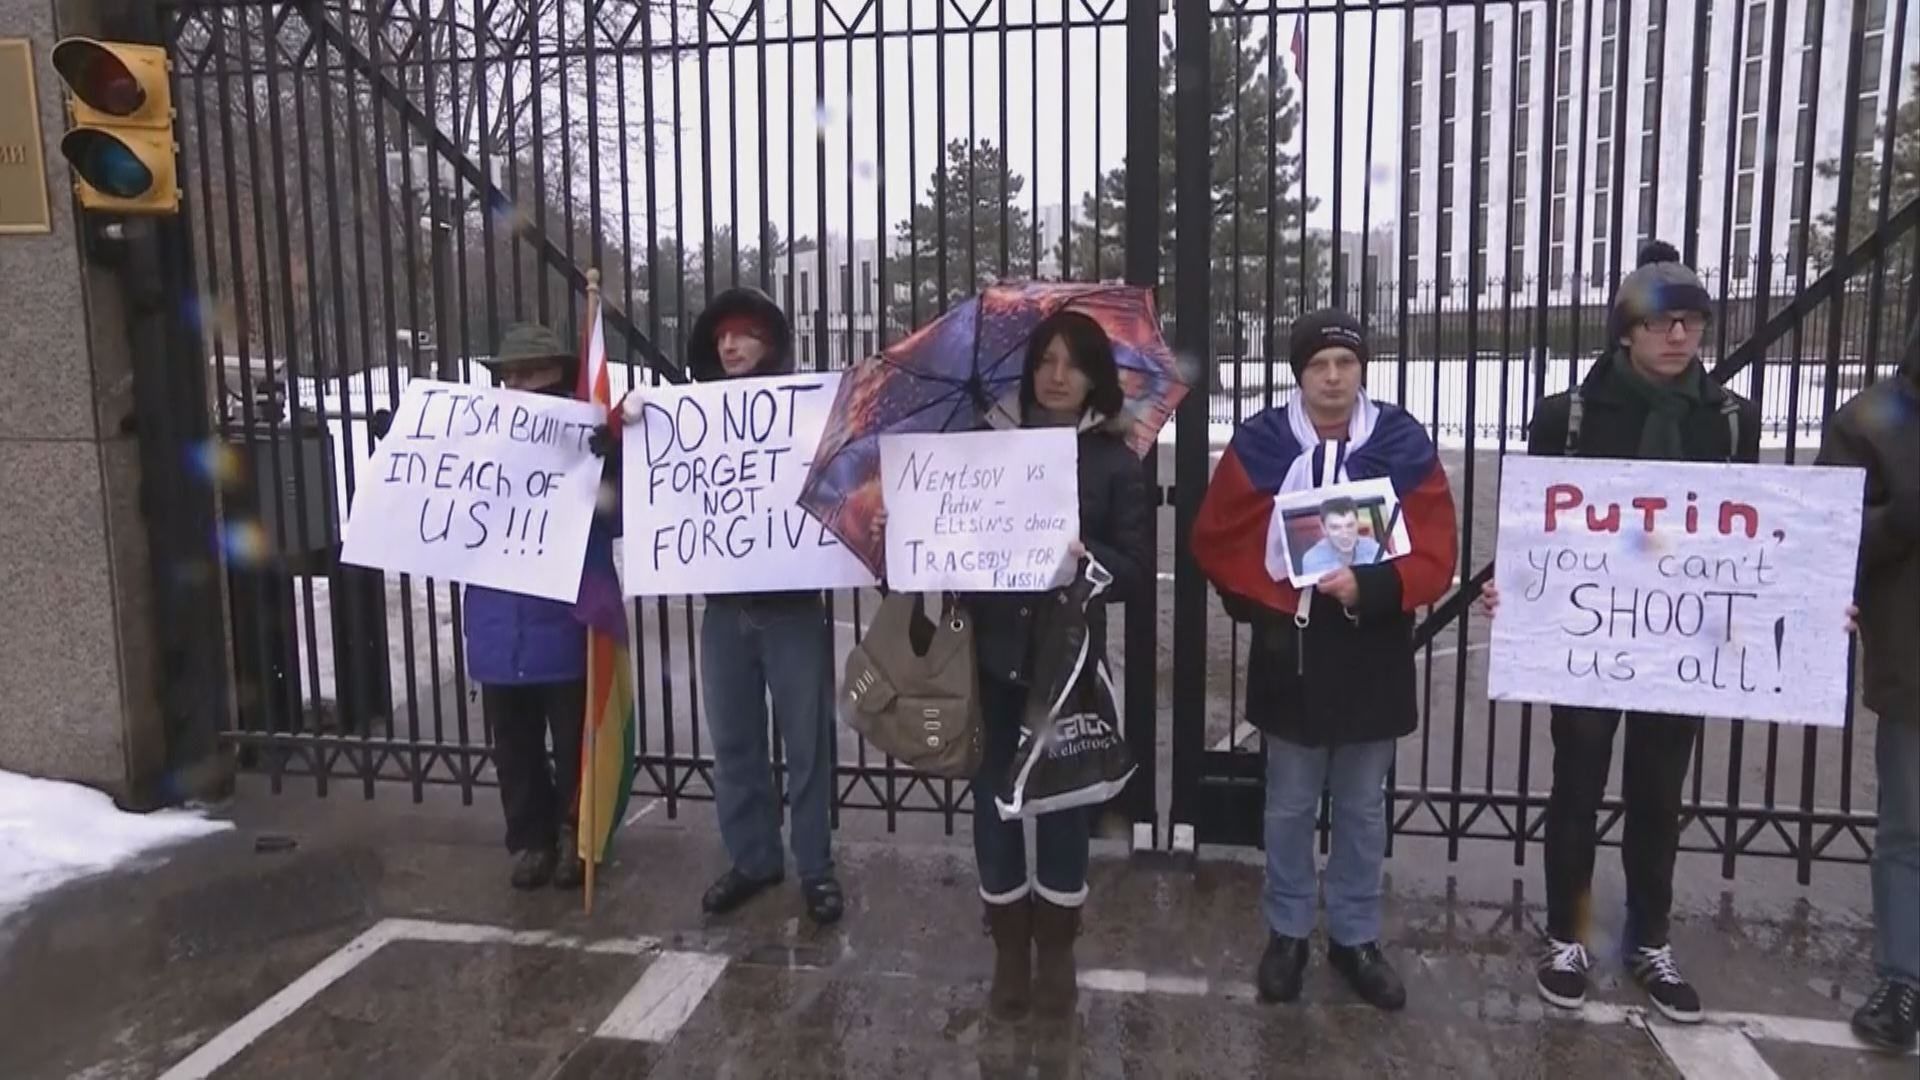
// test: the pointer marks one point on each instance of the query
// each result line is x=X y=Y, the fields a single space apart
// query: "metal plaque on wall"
x=23 y=172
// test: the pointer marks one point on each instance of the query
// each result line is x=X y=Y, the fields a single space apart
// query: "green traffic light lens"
x=107 y=164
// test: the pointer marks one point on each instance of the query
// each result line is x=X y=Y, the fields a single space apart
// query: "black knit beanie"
x=1328 y=328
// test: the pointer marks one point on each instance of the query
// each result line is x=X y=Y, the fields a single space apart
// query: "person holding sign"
x=1332 y=689
x=1879 y=430
x=529 y=656
x=753 y=645
x=1069 y=379
x=1648 y=398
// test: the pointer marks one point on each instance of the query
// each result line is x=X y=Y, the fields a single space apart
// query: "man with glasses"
x=1647 y=398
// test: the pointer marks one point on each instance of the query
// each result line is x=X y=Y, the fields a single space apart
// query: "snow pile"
x=52 y=833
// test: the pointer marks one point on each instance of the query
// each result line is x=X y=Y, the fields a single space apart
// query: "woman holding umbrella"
x=1069 y=379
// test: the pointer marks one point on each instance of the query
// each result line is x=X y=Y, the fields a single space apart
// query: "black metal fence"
x=376 y=190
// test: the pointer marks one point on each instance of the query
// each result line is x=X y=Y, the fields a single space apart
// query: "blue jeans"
x=1896 y=850
x=1000 y=847
x=747 y=650
x=1356 y=776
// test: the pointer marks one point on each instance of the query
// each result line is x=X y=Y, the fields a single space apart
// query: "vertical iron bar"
x=1696 y=133
x=1142 y=256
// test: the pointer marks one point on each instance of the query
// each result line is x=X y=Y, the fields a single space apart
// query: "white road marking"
x=652 y=805
x=664 y=998
x=1699 y=1052
x=227 y=1045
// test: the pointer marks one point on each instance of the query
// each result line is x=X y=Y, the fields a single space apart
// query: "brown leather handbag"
x=911 y=687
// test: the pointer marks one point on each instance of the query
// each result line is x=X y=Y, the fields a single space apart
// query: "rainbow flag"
x=607 y=745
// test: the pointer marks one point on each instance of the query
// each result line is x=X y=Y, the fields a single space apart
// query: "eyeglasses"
x=1692 y=321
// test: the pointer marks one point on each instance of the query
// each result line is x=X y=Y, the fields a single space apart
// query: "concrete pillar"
x=78 y=677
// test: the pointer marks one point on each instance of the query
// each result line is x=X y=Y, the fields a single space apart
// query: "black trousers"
x=537 y=793
x=1653 y=776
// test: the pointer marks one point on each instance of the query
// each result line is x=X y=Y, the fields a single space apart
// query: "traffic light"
x=121 y=142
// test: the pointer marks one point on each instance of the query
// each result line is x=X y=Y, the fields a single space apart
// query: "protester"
x=529 y=656
x=1332 y=688
x=1648 y=398
x=756 y=645
x=1879 y=430
x=1069 y=380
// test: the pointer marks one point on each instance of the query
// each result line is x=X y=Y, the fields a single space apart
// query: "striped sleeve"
x=1426 y=572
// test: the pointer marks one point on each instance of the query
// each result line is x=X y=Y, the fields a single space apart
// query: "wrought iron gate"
x=376 y=189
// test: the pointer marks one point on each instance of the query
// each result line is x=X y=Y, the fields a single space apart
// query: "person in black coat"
x=1648 y=398
x=1069 y=379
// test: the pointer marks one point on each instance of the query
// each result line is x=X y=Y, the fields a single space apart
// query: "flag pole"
x=584 y=830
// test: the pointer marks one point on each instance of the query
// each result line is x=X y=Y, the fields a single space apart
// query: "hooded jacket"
x=703 y=365
x=1879 y=430
x=703 y=348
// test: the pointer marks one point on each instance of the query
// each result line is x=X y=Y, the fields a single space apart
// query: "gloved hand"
x=380 y=423
x=602 y=442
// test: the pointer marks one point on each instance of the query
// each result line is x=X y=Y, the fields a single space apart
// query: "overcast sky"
x=1065 y=122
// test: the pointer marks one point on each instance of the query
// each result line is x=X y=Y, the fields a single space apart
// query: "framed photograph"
x=1320 y=530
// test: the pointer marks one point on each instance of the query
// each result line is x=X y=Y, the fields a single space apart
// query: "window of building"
x=1747 y=152
x=866 y=291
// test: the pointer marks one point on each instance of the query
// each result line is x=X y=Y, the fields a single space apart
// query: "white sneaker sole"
x=1559 y=1001
x=1674 y=1014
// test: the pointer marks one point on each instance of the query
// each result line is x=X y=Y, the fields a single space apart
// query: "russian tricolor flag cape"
x=1230 y=534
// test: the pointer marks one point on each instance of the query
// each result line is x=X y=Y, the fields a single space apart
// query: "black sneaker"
x=533 y=868
x=1888 y=1019
x=825 y=902
x=569 y=869
x=734 y=888
x=1282 y=968
x=1656 y=973
x=1561 y=975
x=1368 y=972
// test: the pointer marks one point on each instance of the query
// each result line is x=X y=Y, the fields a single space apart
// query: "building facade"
x=1553 y=138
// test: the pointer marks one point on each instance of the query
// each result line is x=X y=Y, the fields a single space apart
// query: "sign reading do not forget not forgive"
x=1701 y=590
x=712 y=477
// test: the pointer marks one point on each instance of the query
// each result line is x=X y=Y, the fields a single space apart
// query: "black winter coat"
x=1116 y=525
x=1611 y=419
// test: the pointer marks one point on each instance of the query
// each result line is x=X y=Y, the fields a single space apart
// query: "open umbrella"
x=950 y=374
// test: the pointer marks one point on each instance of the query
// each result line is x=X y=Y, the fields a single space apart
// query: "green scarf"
x=1667 y=405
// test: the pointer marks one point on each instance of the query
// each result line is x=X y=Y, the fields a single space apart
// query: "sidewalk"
x=386 y=944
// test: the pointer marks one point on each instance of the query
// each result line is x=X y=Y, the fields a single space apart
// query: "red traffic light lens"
x=98 y=77
x=108 y=165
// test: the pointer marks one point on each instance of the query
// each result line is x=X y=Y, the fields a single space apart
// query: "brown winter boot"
x=1055 y=979
x=1012 y=928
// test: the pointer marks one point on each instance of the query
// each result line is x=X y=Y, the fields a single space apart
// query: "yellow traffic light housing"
x=121 y=143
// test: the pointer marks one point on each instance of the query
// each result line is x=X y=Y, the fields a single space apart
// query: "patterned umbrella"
x=949 y=375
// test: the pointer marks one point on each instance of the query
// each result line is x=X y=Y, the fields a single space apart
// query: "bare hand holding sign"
x=1715 y=590
x=988 y=511
x=480 y=486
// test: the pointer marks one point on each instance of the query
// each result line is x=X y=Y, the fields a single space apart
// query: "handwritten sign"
x=988 y=511
x=1701 y=590
x=480 y=486
x=711 y=478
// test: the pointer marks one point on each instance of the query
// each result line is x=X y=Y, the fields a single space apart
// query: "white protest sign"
x=982 y=511
x=712 y=476
x=1701 y=590
x=480 y=486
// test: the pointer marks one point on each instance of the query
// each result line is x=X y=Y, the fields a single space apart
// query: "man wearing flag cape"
x=1330 y=677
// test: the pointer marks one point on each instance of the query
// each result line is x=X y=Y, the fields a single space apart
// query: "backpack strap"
x=1730 y=408
x=1575 y=408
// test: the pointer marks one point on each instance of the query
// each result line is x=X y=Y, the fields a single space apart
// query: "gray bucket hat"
x=526 y=345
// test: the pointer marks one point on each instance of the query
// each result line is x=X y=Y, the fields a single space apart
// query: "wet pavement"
x=385 y=943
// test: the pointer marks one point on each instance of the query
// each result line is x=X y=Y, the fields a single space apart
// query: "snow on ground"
x=53 y=832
